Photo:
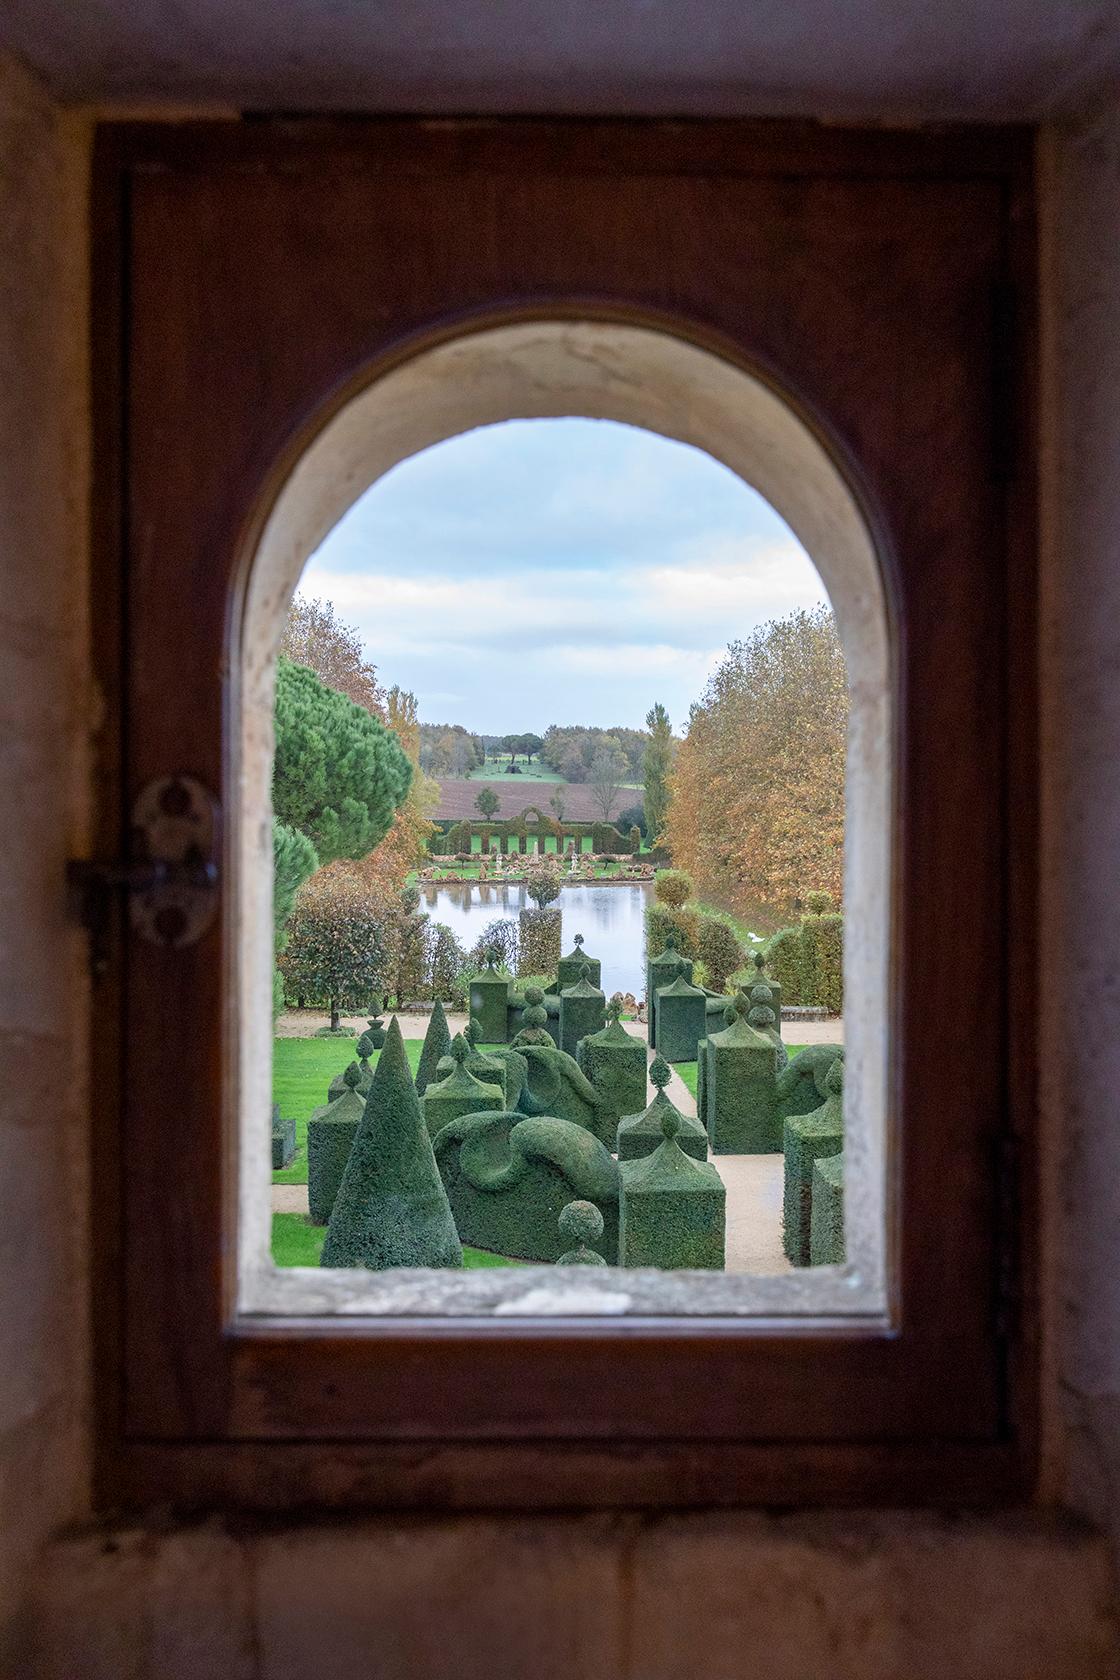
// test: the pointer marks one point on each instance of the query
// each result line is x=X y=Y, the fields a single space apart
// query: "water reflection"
x=611 y=920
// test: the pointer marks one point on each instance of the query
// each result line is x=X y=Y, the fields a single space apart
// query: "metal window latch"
x=170 y=877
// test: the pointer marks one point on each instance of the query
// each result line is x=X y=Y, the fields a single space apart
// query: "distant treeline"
x=571 y=749
x=447 y=749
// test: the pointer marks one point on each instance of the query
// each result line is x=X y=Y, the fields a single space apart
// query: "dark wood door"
x=249 y=274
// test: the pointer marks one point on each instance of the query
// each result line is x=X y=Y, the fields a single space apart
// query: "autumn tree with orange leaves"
x=757 y=808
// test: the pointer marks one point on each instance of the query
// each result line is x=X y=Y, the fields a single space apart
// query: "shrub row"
x=808 y=962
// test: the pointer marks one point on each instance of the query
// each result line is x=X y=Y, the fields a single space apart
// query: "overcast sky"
x=557 y=571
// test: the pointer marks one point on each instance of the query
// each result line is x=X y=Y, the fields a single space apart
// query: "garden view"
x=559 y=870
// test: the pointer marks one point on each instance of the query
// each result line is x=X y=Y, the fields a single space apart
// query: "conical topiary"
x=391 y=1208
x=437 y=1042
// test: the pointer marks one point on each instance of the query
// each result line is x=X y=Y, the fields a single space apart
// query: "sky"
x=557 y=571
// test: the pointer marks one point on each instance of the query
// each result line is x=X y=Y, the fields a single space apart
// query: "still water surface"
x=609 y=918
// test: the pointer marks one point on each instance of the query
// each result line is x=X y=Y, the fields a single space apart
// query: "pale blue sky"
x=557 y=571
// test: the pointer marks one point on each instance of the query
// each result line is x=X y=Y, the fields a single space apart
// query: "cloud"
x=497 y=572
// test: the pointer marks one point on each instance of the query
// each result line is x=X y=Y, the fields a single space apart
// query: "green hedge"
x=807 y=961
x=661 y=920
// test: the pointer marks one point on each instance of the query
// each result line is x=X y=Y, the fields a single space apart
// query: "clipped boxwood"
x=826 y=1222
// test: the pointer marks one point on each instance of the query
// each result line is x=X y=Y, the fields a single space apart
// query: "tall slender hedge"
x=807 y=961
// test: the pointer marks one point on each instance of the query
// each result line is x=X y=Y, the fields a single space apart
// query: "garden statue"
x=391 y=1208
x=581 y=1224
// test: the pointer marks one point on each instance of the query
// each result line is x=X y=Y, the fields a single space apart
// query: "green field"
x=302 y=1069
x=498 y=770
x=296 y=1242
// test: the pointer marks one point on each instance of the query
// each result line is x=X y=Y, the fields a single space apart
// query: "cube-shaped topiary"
x=458 y=1092
x=582 y=1011
x=489 y=1004
x=672 y=1209
x=826 y=1220
x=640 y=1134
x=682 y=1016
x=615 y=1063
x=808 y=1139
x=330 y=1137
x=569 y=970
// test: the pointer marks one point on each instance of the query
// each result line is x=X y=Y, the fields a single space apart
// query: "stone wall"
x=868 y=1596
x=46 y=708
x=1079 y=1024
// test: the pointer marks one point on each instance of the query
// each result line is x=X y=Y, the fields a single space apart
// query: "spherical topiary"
x=673 y=887
x=660 y=1072
x=761 y=1016
x=580 y=1222
x=365 y=1047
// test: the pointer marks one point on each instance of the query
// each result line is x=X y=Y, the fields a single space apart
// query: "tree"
x=543 y=882
x=608 y=768
x=556 y=806
x=315 y=638
x=757 y=811
x=720 y=951
x=339 y=774
x=339 y=946
x=656 y=766
x=487 y=802
x=673 y=887
x=531 y=744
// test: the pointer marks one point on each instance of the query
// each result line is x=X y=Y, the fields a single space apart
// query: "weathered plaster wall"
x=1079 y=1021
x=43 y=714
x=879 y=1597
x=591 y=1598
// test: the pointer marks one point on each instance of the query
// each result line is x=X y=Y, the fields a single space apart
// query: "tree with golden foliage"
x=314 y=636
x=757 y=808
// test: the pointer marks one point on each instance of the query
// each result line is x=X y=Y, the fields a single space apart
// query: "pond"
x=611 y=920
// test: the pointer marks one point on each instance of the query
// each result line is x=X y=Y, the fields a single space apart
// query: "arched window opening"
x=765 y=1181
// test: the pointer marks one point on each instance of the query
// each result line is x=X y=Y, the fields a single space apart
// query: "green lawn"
x=296 y=1242
x=302 y=1069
